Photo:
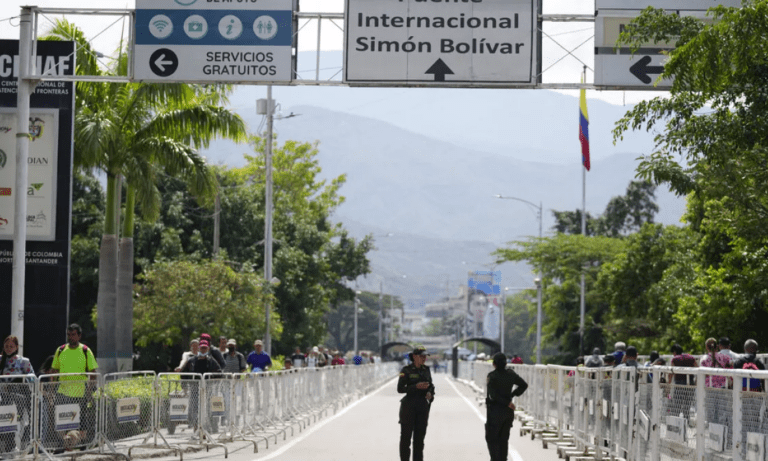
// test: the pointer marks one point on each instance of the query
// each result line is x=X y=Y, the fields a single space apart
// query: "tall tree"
x=710 y=146
x=622 y=216
x=134 y=132
x=561 y=260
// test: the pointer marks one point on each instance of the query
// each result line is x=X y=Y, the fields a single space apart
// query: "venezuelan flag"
x=584 y=129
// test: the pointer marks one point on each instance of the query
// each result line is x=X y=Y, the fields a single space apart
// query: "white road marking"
x=512 y=452
x=317 y=426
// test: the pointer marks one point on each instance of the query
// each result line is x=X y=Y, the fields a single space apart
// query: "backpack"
x=85 y=352
x=754 y=384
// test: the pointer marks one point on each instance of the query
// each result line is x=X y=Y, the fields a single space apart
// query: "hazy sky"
x=107 y=33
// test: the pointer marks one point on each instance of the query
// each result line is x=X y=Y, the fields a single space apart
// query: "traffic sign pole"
x=25 y=88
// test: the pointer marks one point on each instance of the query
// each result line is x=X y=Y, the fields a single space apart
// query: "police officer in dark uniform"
x=501 y=410
x=416 y=383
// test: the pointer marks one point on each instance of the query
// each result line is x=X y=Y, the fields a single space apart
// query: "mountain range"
x=424 y=165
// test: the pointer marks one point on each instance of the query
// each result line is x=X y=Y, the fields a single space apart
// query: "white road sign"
x=234 y=41
x=619 y=67
x=440 y=43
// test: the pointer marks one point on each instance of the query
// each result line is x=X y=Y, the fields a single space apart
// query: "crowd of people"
x=717 y=354
x=227 y=359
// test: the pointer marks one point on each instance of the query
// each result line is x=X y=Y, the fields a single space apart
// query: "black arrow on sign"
x=641 y=69
x=439 y=69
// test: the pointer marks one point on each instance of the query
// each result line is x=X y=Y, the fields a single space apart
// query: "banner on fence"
x=755 y=446
x=128 y=410
x=217 y=406
x=716 y=437
x=676 y=429
x=645 y=426
x=9 y=418
x=67 y=417
x=179 y=409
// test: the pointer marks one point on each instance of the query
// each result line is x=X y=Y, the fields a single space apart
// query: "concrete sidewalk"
x=367 y=430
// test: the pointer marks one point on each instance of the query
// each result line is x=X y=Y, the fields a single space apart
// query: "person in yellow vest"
x=75 y=357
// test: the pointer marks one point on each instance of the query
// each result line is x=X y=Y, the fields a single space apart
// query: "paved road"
x=367 y=430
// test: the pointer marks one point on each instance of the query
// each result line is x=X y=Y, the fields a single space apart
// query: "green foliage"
x=340 y=321
x=561 y=260
x=520 y=326
x=177 y=300
x=622 y=216
x=712 y=132
x=644 y=284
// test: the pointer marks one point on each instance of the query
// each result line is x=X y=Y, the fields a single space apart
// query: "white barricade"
x=119 y=411
x=16 y=414
x=128 y=408
x=648 y=414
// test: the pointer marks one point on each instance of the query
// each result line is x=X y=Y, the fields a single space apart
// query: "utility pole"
x=381 y=308
x=216 y=226
x=25 y=88
x=269 y=111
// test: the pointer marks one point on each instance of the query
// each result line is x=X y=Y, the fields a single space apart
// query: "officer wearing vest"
x=416 y=383
x=500 y=409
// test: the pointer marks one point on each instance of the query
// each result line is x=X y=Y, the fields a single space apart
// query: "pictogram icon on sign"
x=163 y=62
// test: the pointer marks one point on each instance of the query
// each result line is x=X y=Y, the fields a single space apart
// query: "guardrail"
x=119 y=412
x=644 y=414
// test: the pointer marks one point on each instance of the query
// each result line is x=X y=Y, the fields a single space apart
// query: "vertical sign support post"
x=22 y=153
x=268 y=217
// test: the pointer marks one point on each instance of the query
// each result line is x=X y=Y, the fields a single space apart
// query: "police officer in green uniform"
x=500 y=409
x=416 y=383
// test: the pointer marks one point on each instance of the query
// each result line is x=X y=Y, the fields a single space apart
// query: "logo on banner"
x=179 y=409
x=38 y=220
x=5 y=191
x=9 y=419
x=217 y=406
x=34 y=188
x=67 y=417
x=36 y=126
x=3 y=159
x=128 y=410
x=3 y=222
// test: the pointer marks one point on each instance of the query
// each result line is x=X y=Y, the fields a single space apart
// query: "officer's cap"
x=420 y=350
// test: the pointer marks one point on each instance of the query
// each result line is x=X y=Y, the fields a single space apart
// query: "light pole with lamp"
x=503 y=305
x=357 y=302
x=537 y=280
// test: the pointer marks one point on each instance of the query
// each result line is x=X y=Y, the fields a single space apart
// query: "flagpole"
x=584 y=233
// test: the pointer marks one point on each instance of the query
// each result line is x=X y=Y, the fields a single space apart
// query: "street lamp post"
x=537 y=280
x=357 y=302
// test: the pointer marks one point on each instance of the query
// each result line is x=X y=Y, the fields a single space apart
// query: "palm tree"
x=136 y=133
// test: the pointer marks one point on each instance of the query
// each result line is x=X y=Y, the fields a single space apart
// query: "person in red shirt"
x=517 y=360
x=337 y=359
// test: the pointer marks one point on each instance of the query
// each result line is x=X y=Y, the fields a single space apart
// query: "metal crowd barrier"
x=646 y=413
x=116 y=413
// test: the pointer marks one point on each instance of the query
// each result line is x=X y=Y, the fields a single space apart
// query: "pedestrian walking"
x=500 y=409
x=258 y=359
x=75 y=357
x=416 y=383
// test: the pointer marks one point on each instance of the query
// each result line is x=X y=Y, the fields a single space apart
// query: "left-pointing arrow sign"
x=163 y=62
x=641 y=69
